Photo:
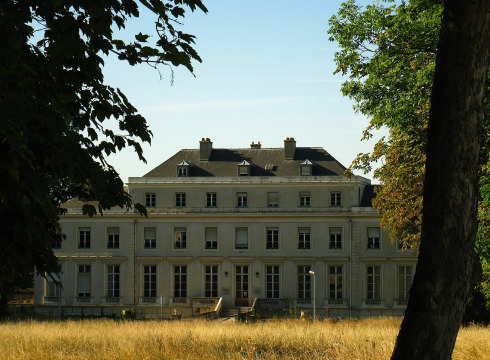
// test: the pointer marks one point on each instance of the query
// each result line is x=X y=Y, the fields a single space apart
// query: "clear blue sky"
x=267 y=74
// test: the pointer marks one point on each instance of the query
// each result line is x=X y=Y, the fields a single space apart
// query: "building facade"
x=232 y=226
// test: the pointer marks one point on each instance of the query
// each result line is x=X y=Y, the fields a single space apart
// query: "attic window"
x=306 y=168
x=183 y=169
x=244 y=168
x=270 y=167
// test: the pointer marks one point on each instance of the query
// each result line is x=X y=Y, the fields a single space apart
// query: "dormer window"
x=244 y=168
x=183 y=168
x=306 y=168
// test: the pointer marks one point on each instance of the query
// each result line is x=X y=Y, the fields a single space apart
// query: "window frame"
x=335 y=237
x=150 y=199
x=149 y=243
x=272 y=281
x=84 y=242
x=180 y=238
x=242 y=199
x=211 y=199
x=210 y=244
x=113 y=281
x=337 y=286
x=374 y=289
x=180 y=281
x=272 y=238
x=113 y=238
x=304 y=238
x=374 y=243
x=180 y=199
x=336 y=198
x=150 y=281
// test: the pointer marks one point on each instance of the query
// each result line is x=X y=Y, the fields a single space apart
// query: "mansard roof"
x=266 y=161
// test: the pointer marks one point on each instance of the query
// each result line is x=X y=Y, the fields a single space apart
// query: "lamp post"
x=314 y=294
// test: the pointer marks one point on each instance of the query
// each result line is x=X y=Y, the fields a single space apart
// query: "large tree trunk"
x=448 y=266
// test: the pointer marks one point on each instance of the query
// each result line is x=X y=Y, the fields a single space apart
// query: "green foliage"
x=54 y=108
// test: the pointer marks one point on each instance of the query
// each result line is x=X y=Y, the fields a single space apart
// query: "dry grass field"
x=281 y=339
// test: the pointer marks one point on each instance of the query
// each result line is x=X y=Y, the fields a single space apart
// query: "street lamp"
x=314 y=294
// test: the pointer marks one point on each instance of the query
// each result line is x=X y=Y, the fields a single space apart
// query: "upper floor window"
x=180 y=238
x=304 y=236
x=244 y=168
x=304 y=198
x=211 y=199
x=179 y=199
x=373 y=238
x=183 y=168
x=241 y=238
x=84 y=238
x=272 y=238
x=242 y=199
x=211 y=234
x=306 y=168
x=113 y=238
x=335 y=238
x=272 y=199
x=150 y=199
x=150 y=238
x=335 y=198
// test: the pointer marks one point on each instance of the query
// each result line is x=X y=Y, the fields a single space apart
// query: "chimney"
x=205 y=149
x=289 y=148
x=255 y=146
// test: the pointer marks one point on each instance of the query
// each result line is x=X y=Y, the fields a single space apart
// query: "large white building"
x=228 y=226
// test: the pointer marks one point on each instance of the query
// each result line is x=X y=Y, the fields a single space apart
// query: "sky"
x=266 y=74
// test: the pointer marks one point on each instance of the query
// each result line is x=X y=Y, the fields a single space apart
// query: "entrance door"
x=241 y=285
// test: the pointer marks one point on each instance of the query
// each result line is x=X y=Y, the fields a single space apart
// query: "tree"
x=54 y=108
x=448 y=266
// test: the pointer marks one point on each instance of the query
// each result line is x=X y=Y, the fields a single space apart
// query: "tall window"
x=335 y=282
x=335 y=198
x=84 y=238
x=374 y=283
x=180 y=281
x=304 y=238
x=242 y=199
x=53 y=286
x=304 y=198
x=211 y=281
x=241 y=238
x=180 y=238
x=211 y=234
x=113 y=238
x=335 y=238
x=304 y=282
x=272 y=238
x=150 y=238
x=211 y=199
x=113 y=281
x=272 y=199
x=150 y=199
x=150 y=281
x=84 y=283
x=179 y=199
x=373 y=238
x=272 y=281
x=404 y=282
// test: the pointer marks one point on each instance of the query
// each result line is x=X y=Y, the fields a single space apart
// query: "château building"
x=230 y=227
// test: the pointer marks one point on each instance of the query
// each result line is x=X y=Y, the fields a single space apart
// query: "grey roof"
x=368 y=195
x=223 y=162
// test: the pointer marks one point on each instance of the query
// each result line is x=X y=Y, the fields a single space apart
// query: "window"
x=84 y=283
x=211 y=234
x=180 y=199
x=243 y=170
x=53 y=286
x=241 y=238
x=272 y=199
x=150 y=281
x=304 y=199
x=305 y=170
x=84 y=238
x=335 y=238
x=404 y=282
x=242 y=199
x=180 y=238
x=272 y=238
x=373 y=238
x=304 y=283
x=150 y=199
x=304 y=238
x=113 y=281
x=335 y=282
x=211 y=281
x=182 y=171
x=272 y=281
x=180 y=281
x=150 y=238
x=211 y=199
x=374 y=284
x=113 y=238
x=335 y=198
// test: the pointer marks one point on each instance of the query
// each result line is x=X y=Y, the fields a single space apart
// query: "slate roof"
x=368 y=195
x=223 y=162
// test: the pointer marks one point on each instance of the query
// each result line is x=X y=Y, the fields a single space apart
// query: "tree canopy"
x=55 y=106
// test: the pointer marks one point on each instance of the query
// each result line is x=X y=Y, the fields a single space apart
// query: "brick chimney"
x=255 y=146
x=205 y=149
x=289 y=148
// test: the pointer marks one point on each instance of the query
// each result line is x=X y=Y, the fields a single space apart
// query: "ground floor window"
x=211 y=281
x=180 y=281
x=113 y=281
x=304 y=282
x=374 y=283
x=272 y=281
x=150 y=281
x=335 y=282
